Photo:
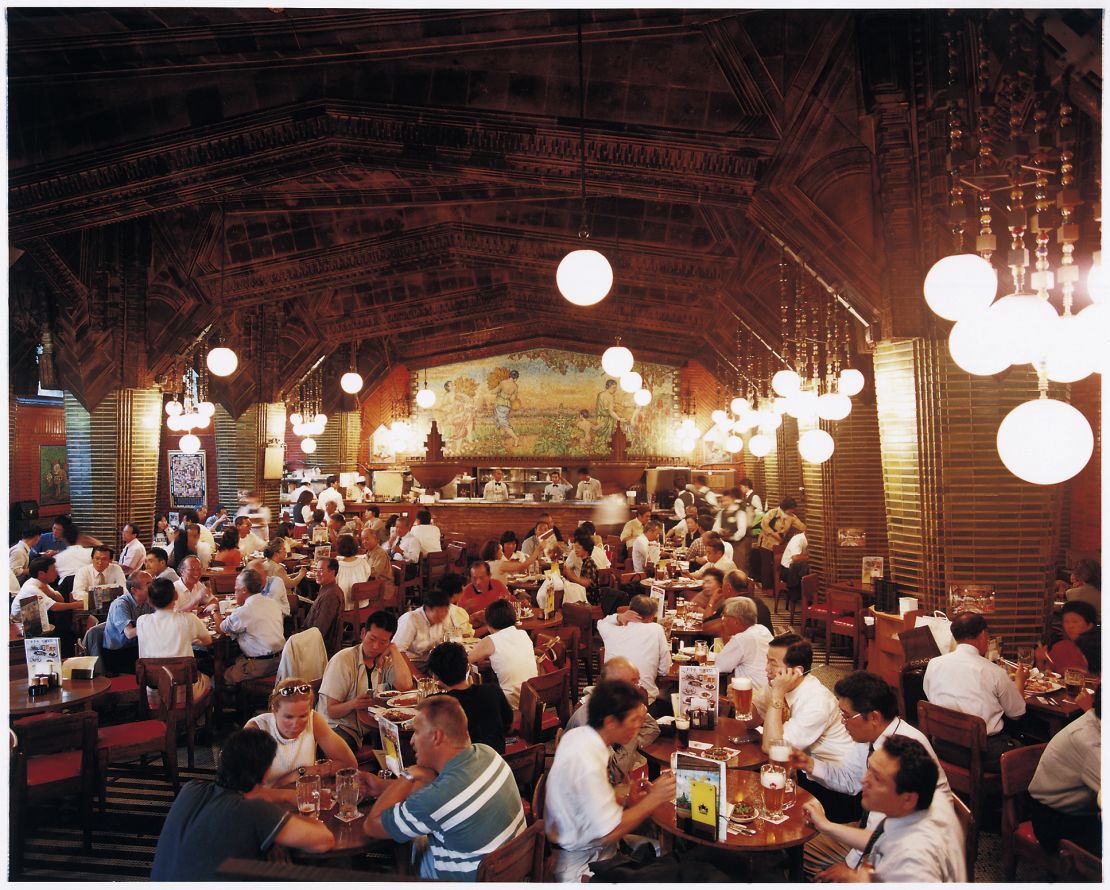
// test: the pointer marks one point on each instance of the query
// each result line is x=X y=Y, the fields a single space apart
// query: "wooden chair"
x=148 y=735
x=1018 y=839
x=815 y=605
x=778 y=583
x=580 y=615
x=971 y=836
x=961 y=731
x=407 y=589
x=518 y=860
x=569 y=638
x=845 y=620
x=188 y=712
x=1079 y=866
x=55 y=757
x=539 y=797
x=912 y=683
x=527 y=765
x=536 y=695
x=435 y=566
x=631 y=577
x=223 y=583
x=456 y=555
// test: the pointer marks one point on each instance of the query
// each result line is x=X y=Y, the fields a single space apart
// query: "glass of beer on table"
x=701 y=651
x=308 y=796
x=772 y=783
x=778 y=752
x=741 y=689
x=1074 y=678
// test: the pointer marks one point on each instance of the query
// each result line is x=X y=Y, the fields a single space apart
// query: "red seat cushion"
x=550 y=720
x=817 y=609
x=47 y=768
x=123 y=683
x=527 y=806
x=848 y=625
x=1025 y=833
x=513 y=745
x=515 y=728
x=125 y=734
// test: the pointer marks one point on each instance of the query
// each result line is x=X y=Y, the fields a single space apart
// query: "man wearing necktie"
x=918 y=838
x=869 y=712
x=495 y=489
x=101 y=572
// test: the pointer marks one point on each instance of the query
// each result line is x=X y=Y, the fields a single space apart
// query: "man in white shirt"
x=700 y=489
x=496 y=489
x=421 y=630
x=634 y=635
x=403 y=544
x=257 y=626
x=331 y=495
x=168 y=633
x=101 y=572
x=272 y=588
x=157 y=564
x=133 y=554
x=645 y=548
x=917 y=840
x=746 y=640
x=357 y=493
x=732 y=525
x=965 y=681
x=869 y=711
x=583 y=818
x=192 y=593
x=19 y=556
x=589 y=488
x=811 y=722
x=42 y=573
x=715 y=558
x=795 y=564
x=428 y=535
x=557 y=488
x=249 y=542
x=71 y=558
x=687 y=530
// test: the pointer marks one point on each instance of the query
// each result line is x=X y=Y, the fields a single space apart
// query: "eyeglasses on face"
x=847 y=718
x=299 y=689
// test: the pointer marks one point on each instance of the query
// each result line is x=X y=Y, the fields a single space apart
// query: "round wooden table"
x=789 y=836
x=538 y=622
x=751 y=755
x=70 y=694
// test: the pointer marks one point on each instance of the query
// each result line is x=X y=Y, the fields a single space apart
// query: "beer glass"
x=308 y=796
x=682 y=731
x=325 y=769
x=742 y=697
x=994 y=648
x=1025 y=656
x=772 y=783
x=701 y=651
x=347 y=792
x=1074 y=678
x=778 y=752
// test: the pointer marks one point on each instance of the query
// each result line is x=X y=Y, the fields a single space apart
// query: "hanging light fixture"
x=815 y=446
x=642 y=397
x=760 y=445
x=351 y=382
x=425 y=398
x=631 y=382
x=617 y=360
x=221 y=360
x=584 y=276
x=308 y=446
x=189 y=443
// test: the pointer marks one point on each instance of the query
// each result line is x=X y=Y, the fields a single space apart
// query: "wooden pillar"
x=955 y=514
x=113 y=454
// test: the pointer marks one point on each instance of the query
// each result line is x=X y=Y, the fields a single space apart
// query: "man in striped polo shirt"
x=462 y=796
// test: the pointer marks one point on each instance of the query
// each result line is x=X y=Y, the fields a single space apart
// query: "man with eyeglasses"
x=353 y=675
x=869 y=711
x=918 y=838
x=797 y=708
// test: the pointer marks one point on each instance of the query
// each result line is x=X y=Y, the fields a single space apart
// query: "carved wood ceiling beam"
x=259 y=150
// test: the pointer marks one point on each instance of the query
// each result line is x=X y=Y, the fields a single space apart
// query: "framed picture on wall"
x=53 y=475
x=188 y=479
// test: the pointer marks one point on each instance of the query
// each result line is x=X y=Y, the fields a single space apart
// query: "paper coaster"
x=358 y=815
x=778 y=821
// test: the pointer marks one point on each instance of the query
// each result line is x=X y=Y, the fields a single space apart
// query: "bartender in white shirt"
x=557 y=488
x=589 y=488
x=495 y=489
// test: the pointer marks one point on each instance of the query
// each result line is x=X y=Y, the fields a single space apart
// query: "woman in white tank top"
x=513 y=657
x=297 y=729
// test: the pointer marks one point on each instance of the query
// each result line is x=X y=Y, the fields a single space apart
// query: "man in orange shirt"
x=482 y=589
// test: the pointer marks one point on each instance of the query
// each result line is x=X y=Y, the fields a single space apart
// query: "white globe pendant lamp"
x=769 y=421
x=425 y=398
x=778 y=405
x=617 y=360
x=786 y=382
x=833 y=406
x=739 y=405
x=174 y=408
x=642 y=397
x=718 y=416
x=850 y=382
x=308 y=446
x=960 y=285
x=222 y=361
x=295 y=419
x=1021 y=322
x=1098 y=282
x=1045 y=441
x=189 y=443
x=631 y=382
x=351 y=382
x=760 y=445
x=733 y=444
x=1069 y=350
x=976 y=346
x=1096 y=327
x=815 y=446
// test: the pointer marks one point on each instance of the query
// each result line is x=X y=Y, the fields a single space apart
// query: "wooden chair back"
x=971 y=835
x=407 y=588
x=539 y=797
x=183 y=670
x=435 y=567
x=564 y=652
x=912 y=683
x=223 y=583
x=580 y=615
x=631 y=577
x=527 y=765
x=58 y=733
x=1018 y=767
x=516 y=861
x=962 y=731
x=537 y=694
x=1080 y=866
x=456 y=553
x=370 y=592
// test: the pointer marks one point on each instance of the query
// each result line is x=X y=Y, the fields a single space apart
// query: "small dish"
x=403 y=700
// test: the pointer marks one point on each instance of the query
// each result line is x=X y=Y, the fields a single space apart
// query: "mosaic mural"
x=545 y=402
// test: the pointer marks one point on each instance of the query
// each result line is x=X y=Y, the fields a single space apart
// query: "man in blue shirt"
x=53 y=541
x=121 y=643
x=462 y=796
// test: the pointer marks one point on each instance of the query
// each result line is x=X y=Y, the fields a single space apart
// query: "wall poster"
x=53 y=475
x=188 y=479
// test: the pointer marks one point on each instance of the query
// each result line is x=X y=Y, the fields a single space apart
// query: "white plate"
x=403 y=700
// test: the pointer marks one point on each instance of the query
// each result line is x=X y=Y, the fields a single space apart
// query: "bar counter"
x=477 y=521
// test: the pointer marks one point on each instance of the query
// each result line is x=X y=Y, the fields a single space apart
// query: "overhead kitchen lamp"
x=584 y=276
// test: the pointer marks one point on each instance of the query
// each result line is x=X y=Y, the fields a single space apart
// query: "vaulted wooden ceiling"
x=407 y=180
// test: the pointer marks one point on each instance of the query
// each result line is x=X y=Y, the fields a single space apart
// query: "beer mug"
x=308 y=796
x=701 y=651
x=772 y=784
x=778 y=751
x=742 y=697
x=347 y=793
x=682 y=731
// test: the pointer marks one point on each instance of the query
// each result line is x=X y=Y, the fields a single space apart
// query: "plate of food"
x=400 y=716
x=682 y=659
x=403 y=700
x=719 y=753
x=743 y=812
x=1041 y=686
x=386 y=694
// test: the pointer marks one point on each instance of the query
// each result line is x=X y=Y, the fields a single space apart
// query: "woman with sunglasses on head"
x=298 y=730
